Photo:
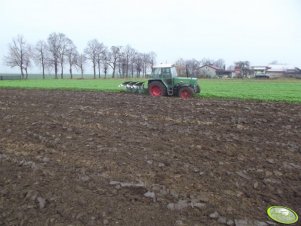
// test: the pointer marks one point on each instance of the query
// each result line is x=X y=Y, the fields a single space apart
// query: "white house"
x=212 y=71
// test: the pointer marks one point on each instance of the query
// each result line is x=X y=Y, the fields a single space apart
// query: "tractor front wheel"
x=156 y=89
x=185 y=93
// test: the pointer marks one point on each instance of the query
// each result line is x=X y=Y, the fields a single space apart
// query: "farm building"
x=211 y=71
x=259 y=71
x=294 y=73
x=277 y=71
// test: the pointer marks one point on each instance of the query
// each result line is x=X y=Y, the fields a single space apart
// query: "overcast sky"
x=260 y=31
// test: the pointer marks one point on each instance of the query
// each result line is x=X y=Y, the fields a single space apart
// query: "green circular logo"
x=282 y=214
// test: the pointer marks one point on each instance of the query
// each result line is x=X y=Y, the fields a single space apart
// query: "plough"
x=133 y=86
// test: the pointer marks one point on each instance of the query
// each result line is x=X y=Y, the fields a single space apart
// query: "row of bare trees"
x=59 y=51
x=191 y=67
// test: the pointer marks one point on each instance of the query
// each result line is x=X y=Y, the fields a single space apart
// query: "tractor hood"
x=186 y=80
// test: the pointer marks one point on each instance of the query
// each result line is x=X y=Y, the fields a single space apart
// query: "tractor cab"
x=164 y=71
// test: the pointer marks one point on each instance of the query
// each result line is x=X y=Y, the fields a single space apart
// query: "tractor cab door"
x=166 y=76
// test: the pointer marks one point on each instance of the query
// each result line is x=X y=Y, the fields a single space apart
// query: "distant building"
x=259 y=71
x=210 y=71
x=278 y=70
x=294 y=73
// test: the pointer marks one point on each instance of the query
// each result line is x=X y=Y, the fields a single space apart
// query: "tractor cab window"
x=156 y=72
x=174 y=72
x=166 y=73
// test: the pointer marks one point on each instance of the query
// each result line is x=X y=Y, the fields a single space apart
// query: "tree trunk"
x=70 y=70
x=55 y=70
x=21 y=67
x=22 y=73
x=98 y=69
x=119 y=71
x=127 y=68
x=94 y=70
x=114 y=68
x=26 y=73
x=43 y=68
x=62 y=71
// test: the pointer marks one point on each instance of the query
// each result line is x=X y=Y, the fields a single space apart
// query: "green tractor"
x=164 y=82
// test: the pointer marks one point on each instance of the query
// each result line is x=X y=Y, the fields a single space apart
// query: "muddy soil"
x=89 y=158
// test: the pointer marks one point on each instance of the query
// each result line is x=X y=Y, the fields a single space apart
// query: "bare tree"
x=132 y=60
x=54 y=46
x=115 y=55
x=72 y=56
x=27 y=61
x=181 y=67
x=100 y=54
x=220 y=63
x=80 y=63
x=128 y=52
x=65 y=44
x=92 y=52
x=151 y=60
x=127 y=61
x=145 y=62
x=138 y=64
x=40 y=55
x=243 y=67
x=152 y=57
x=192 y=67
x=188 y=67
x=105 y=60
x=207 y=61
x=19 y=55
x=123 y=64
x=58 y=44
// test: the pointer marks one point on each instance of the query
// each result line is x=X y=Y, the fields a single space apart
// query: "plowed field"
x=90 y=158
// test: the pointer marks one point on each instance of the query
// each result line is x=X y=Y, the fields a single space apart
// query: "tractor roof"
x=163 y=66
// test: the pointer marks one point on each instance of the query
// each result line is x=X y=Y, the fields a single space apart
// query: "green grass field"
x=288 y=90
x=67 y=84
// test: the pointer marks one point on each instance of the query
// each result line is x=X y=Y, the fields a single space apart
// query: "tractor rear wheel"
x=156 y=89
x=185 y=92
